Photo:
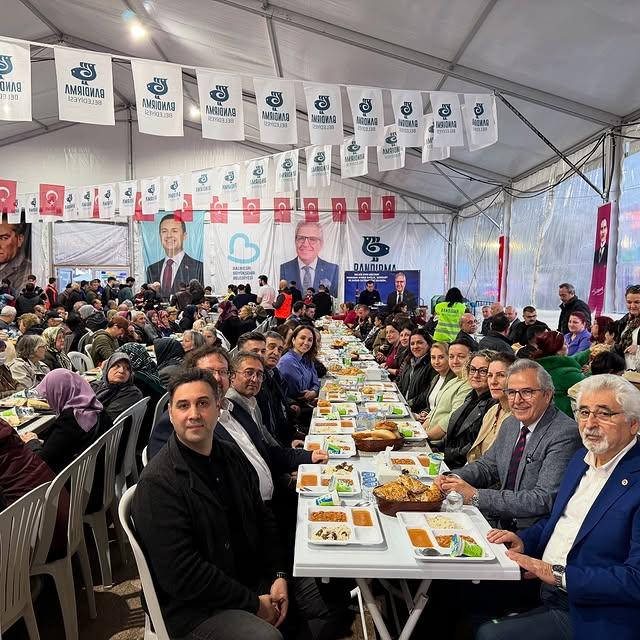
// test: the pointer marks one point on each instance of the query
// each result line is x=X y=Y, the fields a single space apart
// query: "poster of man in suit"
x=401 y=295
x=308 y=269
x=600 y=255
x=15 y=253
x=172 y=250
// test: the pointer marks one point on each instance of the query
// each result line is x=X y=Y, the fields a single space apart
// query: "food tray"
x=341 y=409
x=361 y=534
x=312 y=443
x=323 y=475
x=335 y=426
x=465 y=526
x=343 y=396
x=419 y=433
x=388 y=396
x=385 y=386
x=415 y=468
x=390 y=409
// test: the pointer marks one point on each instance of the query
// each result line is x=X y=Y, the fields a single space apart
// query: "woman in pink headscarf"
x=80 y=418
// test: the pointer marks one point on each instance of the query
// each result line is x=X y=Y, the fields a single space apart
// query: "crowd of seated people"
x=530 y=420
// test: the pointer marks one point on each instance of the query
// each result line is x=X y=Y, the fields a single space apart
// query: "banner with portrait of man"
x=172 y=250
x=15 y=252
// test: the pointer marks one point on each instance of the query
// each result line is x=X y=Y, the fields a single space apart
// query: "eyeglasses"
x=223 y=373
x=248 y=374
x=525 y=394
x=309 y=239
x=482 y=372
x=600 y=415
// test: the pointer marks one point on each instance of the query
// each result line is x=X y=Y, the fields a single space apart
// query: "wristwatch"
x=558 y=574
x=475 y=500
x=281 y=574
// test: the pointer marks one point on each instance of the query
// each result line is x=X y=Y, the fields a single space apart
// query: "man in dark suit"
x=307 y=267
x=177 y=266
x=602 y=252
x=401 y=295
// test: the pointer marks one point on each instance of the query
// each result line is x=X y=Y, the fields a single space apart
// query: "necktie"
x=167 y=276
x=516 y=456
x=306 y=279
x=399 y=299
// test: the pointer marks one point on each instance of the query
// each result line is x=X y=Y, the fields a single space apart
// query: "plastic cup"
x=435 y=462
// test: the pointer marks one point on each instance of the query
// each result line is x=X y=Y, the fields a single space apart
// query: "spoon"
x=430 y=551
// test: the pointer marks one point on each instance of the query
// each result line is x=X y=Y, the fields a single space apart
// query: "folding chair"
x=128 y=468
x=81 y=363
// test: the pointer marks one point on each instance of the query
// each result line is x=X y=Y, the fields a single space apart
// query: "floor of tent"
x=120 y=612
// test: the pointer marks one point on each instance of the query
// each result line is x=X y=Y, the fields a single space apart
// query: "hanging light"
x=194 y=111
x=137 y=30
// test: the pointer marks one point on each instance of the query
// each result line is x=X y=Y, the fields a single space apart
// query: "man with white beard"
x=587 y=552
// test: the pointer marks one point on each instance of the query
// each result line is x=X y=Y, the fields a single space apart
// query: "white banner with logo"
x=227 y=185
x=390 y=154
x=256 y=177
x=32 y=208
x=318 y=165
x=354 y=159
x=86 y=201
x=70 y=209
x=159 y=107
x=285 y=170
x=324 y=113
x=127 y=197
x=276 y=106
x=447 y=119
x=107 y=200
x=15 y=81
x=202 y=185
x=367 y=111
x=480 y=120
x=85 y=86
x=221 y=110
x=150 y=189
x=172 y=192
x=429 y=152
x=409 y=119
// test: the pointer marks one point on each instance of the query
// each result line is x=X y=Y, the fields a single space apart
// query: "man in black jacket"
x=323 y=302
x=211 y=543
x=496 y=339
x=570 y=303
x=468 y=328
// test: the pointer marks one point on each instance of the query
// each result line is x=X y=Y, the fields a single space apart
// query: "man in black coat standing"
x=570 y=303
x=211 y=542
x=323 y=302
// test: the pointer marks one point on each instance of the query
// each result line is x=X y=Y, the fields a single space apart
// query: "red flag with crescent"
x=364 y=208
x=388 y=207
x=251 y=210
x=311 y=210
x=51 y=199
x=218 y=211
x=282 y=209
x=339 y=209
x=8 y=196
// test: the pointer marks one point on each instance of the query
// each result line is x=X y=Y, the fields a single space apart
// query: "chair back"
x=87 y=350
x=136 y=413
x=225 y=343
x=18 y=528
x=79 y=475
x=160 y=408
x=80 y=361
x=111 y=441
x=153 y=606
x=85 y=339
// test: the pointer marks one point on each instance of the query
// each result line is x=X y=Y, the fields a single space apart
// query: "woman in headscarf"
x=145 y=371
x=151 y=329
x=188 y=317
x=55 y=357
x=169 y=356
x=116 y=390
x=7 y=383
x=163 y=324
x=229 y=323
x=196 y=291
x=28 y=369
x=75 y=325
x=172 y=318
x=80 y=419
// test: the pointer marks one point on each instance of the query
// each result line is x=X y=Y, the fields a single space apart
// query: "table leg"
x=372 y=606
x=419 y=603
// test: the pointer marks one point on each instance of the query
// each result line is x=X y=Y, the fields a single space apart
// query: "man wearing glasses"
x=515 y=483
x=308 y=268
x=586 y=552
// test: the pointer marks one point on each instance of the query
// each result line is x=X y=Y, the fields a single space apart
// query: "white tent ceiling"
x=565 y=64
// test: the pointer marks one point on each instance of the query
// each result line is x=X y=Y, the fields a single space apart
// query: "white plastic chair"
x=82 y=343
x=80 y=361
x=18 y=526
x=225 y=343
x=98 y=519
x=87 y=350
x=129 y=468
x=160 y=408
x=80 y=475
x=159 y=629
x=145 y=457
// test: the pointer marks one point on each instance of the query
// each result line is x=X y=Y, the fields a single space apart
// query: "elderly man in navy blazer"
x=587 y=552
x=307 y=267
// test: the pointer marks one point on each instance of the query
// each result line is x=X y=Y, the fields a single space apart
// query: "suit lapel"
x=534 y=440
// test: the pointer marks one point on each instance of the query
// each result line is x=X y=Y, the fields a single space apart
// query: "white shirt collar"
x=608 y=467
x=313 y=264
x=532 y=426
x=177 y=259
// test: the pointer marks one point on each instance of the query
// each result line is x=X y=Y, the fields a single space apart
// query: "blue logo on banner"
x=444 y=111
x=373 y=248
x=230 y=177
x=107 y=194
x=322 y=103
x=287 y=164
x=406 y=109
x=6 y=66
x=86 y=72
x=87 y=196
x=33 y=202
x=258 y=171
x=246 y=245
x=365 y=106
x=70 y=198
x=354 y=147
x=220 y=94
x=128 y=192
x=275 y=100
x=391 y=139
x=151 y=189
x=320 y=157
x=203 y=179
x=173 y=186
x=478 y=110
x=158 y=87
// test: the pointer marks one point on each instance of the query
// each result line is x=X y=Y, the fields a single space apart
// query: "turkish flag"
x=138 y=216
x=8 y=196
x=388 y=207
x=51 y=199
x=186 y=213
x=96 y=204
x=282 y=209
x=364 y=208
x=251 y=210
x=311 y=210
x=218 y=211
x=339 y=209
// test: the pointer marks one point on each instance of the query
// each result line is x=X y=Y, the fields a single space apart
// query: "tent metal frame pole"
x=616 y=149
x=506 y=233
x=548 y=142
x=130 y=176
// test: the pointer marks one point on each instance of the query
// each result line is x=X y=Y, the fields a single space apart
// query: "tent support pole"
x=616 y=152
x=130 y=176
x=506 y=226
x=548 y=142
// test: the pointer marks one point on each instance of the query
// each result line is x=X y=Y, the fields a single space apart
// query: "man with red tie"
x=177 y=266
x=515 y=483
